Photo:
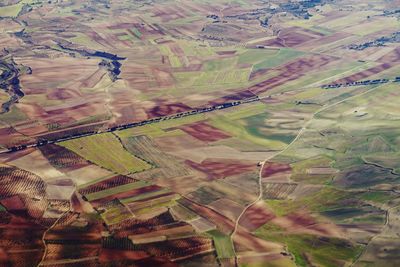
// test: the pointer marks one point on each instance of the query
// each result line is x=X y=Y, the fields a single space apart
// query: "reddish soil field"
x=272 y=168
x=76 y=204
x=25 y=189
x=13 y=204
x=223 y=223
x=289 y=39
x=20 y=258
x=159 y=262
x=276 y=42
x=164 y=109
x=72 y=131
x=128 y=227
x=303 y=222
x=62 y=158
x=256 y=216
x=62 y=94
x=392 y=57
x=9 y=137
x=365 y=73
x=327 y=39
x=292 y=37
x=204 y=132
x=292 y=71
x=131 y=193
x=221 y=169
x=232 y=97
x=106 y=184
x=60 y=251
x=71 y=235
x=107 y=255
x=301 y=219
x=20 y=241
x=252 y=243
x=179 y=248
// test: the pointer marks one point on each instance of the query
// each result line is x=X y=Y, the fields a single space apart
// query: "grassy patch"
x=223 y=244
x=320 y=251
x=106 y=151
x=284 y=55
x=13 y=116
x=243 y=132
x=378 y=197
x=254 y=56
x=11 y=10
x=326 y=199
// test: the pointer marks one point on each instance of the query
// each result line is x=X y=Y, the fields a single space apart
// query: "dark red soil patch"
x=76 y=205
x=128 y=194
x=159 y=262
x=25 y=186
x=22 y=258
x=232 y=97
x=9 y=137
x=135 y=226
x=292 y=71
x=392 y=57
x=301 y=219
x=276 y=42
x=330 y=39
x=179 y=248
x=61 y=251
x=221 y=169
x=106 y=184
x=305 y=220
x=13 y=203
x=163 y=109
x=107 y=255
x=292 y=37
x=204 y=132
x=62 y=94
x=256 y=217
x=74 y=108
x=74 y=235
x=365 y=73
x=21 y=238
x=272 y=168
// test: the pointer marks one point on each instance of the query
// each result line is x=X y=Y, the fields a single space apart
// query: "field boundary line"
x=301 y=131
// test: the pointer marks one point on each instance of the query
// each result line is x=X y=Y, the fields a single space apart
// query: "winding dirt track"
x=299 y=134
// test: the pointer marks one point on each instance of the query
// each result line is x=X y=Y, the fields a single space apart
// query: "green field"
x=284 y=55
x=223 y=244
x=116 y=190
x=322 y=251
x=106 y=151
x=236 y=129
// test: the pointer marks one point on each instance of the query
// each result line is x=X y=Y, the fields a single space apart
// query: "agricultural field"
x=243 y=133
x=106 y=151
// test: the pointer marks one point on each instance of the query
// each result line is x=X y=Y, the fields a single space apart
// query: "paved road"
x=192 y=112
